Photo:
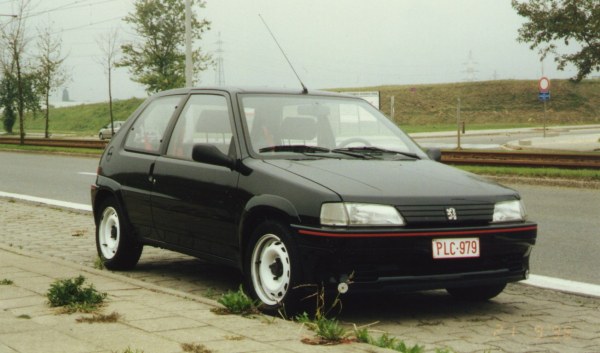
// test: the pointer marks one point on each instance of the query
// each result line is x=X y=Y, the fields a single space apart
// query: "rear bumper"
x=403 y=259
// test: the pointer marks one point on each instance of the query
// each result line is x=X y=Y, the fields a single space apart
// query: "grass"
x=70 y=295
x=490 y=102
x=6 y=282
x=84 y=119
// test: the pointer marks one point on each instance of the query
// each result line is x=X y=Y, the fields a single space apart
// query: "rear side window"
x=148 y=131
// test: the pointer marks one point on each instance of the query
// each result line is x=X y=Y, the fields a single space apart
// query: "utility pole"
x=458 y=125
x=189 y=82
x=220 y=74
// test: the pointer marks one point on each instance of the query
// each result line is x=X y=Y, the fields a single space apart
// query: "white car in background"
x=106 y=132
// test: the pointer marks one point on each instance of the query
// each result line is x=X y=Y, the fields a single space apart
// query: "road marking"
x=87 y=173
x=72 y=205
x=559 y=284
x=563 y=285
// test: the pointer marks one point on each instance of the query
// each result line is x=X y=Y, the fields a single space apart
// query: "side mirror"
x=210 y=154
x=435 y=154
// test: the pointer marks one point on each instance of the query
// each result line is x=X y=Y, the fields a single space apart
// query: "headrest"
x=298 y=128
x=213 y=121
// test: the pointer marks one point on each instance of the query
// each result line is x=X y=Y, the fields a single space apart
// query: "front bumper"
x=403 y=259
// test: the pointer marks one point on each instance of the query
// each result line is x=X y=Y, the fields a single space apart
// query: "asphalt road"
x=568 y=218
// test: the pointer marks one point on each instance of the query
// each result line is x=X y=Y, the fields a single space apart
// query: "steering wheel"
x=351 y=140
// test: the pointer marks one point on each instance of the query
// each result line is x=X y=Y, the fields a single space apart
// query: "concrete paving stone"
x=234 y=345
x=197 y=334
x=47 y=341
x=14 y=292
x=119 y=340
x=276 y=331
x=36 y=284
x=6 y=349
x=200 y=314
x=12 y=324
x=509 y=346
x=23 y=302
x=165 y=324
x=134 y=311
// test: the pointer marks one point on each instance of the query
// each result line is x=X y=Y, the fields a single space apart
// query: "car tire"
x=272 y=269
x=115 y=242
x=477 y=293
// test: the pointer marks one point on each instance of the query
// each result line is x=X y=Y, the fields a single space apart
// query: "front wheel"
x=272 y=268
x=477 y=293
x=116 y=245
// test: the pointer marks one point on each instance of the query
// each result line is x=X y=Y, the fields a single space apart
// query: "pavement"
x=167 y=300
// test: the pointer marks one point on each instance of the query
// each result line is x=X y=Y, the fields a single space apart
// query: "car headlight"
x=359 y=214
x=509 y=211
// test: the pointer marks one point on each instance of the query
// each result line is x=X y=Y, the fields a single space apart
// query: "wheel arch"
x=258 y=210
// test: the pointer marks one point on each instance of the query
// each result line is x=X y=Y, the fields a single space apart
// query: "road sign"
x=544 y=96
x=544 y=85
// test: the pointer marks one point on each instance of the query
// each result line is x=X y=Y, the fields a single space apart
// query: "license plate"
x=455 y=248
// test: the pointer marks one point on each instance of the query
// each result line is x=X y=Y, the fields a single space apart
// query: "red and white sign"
x=544 y=85
x=453 y=248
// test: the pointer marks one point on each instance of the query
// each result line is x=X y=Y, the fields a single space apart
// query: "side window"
x=148 y=130
x=205 y=119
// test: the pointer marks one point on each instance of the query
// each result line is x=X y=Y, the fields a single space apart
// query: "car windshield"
x=321 y=125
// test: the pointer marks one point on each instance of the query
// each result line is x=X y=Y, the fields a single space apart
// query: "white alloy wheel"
x=271 y=269
x=109 y=233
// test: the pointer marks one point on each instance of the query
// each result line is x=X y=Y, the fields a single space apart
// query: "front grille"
x=447 y=215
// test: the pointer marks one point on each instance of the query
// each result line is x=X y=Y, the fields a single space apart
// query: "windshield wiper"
x=372 y=149
x=295 y=148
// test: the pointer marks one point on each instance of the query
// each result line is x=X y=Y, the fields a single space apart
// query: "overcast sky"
x=332 y=43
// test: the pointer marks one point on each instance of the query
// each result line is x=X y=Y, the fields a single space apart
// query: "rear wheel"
x=477 y=293
x=116 y=245
x=272 y=269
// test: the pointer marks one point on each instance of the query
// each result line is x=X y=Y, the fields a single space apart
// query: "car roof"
x=256 y=90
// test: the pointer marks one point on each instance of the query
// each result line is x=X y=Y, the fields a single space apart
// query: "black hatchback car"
x=296 y=188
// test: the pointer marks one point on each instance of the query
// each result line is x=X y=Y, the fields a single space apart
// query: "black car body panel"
x=210 y=210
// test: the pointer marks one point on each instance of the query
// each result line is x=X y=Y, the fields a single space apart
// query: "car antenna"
x=304 y=89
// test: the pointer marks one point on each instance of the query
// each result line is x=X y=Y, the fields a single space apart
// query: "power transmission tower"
x=470 y=68
x=220 y=69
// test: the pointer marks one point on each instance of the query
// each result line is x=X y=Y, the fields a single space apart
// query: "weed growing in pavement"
x=99 y=264
x=6 y=282
x=24 y=316
x=78 y=233
x=327 y=330
x=385 y=341
x=100 y=318
x=237 y=303
x=73 y=297
x=195 y=348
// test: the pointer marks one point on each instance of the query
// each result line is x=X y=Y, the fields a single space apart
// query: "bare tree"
x=51 y=71
x=109 y=45
x=14 y=41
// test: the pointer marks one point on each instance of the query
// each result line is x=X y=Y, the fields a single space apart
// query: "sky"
x=332 y=43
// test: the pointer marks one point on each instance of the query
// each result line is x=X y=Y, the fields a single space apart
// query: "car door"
x=141 y=148
x=195 y=204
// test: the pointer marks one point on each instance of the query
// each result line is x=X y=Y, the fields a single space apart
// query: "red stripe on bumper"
x=416 y=234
